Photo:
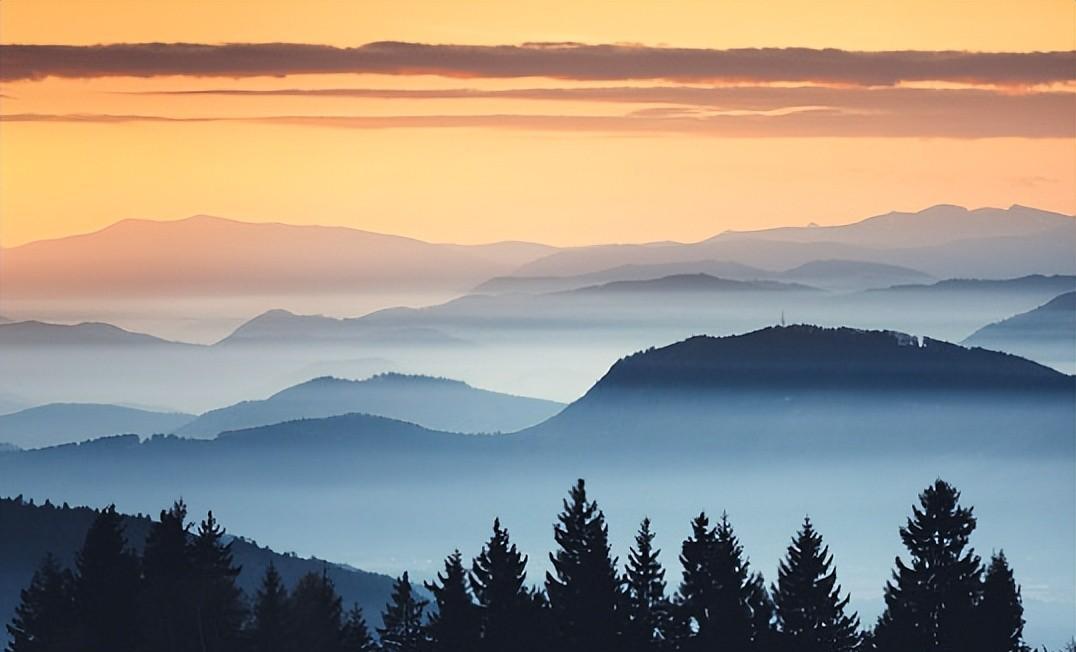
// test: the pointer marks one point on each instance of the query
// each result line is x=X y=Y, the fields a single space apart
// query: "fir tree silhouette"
x=316 y=615
x=402 y=629
x=810 y=610
x=648 y=624
x=930 y=603
x=497 y=577
x=455 y=626
x=583 y=589
x=1000 y=615
x=764 y=634
x=715 y=590
x=106 y=586
x=165 y=605
x=219 y=611
x=357 y=637
x=44 y=618
x=270 y=628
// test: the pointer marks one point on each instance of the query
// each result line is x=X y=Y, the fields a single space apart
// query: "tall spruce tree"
x=810 y=611
x=357 y=637
x=270 y=627
x=455 y=626
x=1000 y=614
x=716 y=590
x=106 y=587
x=583 y=589
x=44 y=618
x=498 y=575
x=930 y=604
x=402 y=629
x=219 y=609
x=316 y=618
x=648 y=623
x=165 y=599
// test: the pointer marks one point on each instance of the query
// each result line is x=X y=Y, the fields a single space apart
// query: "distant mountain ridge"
x=184 y=257
x=436 y=403
x=36 y=333
x=1047 y=333
x=689 y=283
x=61 y=423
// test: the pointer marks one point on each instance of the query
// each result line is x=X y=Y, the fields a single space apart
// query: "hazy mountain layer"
x=436 y=403
x=61 y=423
x=1046 y=334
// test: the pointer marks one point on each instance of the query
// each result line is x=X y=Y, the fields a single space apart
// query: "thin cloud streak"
x=555 y=60
x=809 y=123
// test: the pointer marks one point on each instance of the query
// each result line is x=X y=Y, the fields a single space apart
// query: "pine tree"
x=764 y=636
x=505 y=606
x=583 y=589
x=46 y=612
x=931 y=603
x=1000 y=614
x=715 y=590
x=270 y=627
x=106 y=585
x=316 y=621
x=402 y=629
x=455 y=625
x=357 y=637
x=648 y=618
x=219 y=611
x=810 y=611
x=165 y=604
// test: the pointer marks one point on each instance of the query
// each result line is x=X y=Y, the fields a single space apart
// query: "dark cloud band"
x=559 y=60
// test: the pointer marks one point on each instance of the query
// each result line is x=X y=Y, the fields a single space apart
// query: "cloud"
x=556 y=60
x=815 y=122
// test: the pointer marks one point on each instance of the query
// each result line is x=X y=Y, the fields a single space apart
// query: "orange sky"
x=564 y=169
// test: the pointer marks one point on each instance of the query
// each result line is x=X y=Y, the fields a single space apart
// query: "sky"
x=558 y=121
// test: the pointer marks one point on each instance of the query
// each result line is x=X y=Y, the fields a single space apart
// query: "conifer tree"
x=165 y=602
x=583 y=589
x=316 y=614
x=505 y=606
x=106 y=585
x=402 y=629
x=810 y=610
x=648 y=621
x=930 y=604
x=1000 y=614
x=270 y=626
x=357 y=637
x=46 y=612
x=715 y=590
x=764 y=635
x=455 y=625
x=219 y=611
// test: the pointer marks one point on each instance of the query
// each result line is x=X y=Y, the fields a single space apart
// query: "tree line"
x=181 y=595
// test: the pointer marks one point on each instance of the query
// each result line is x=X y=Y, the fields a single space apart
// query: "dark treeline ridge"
x=181 y=595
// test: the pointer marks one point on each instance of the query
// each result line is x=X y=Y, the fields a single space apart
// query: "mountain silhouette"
x=60 y=423
x=200 y=254
x=688 y=283
x=276 y=326
x=1047 y=333
x=943 y=241
x=435 y=403
x=26 y=334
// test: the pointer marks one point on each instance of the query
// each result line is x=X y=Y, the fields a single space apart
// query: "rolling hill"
x=31 y=334
x=1046 y=334
x=62 y=423
x=435 y=403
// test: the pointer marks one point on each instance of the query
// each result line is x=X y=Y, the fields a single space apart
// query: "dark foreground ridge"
x=181 y=590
